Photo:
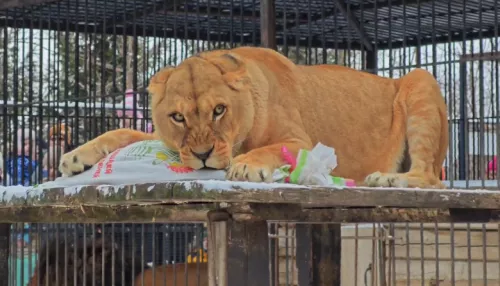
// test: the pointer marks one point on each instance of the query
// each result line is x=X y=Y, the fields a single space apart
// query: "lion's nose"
x=203 y=156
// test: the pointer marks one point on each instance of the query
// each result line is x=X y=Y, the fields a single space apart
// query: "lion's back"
x=326 y=93
x=317 y=81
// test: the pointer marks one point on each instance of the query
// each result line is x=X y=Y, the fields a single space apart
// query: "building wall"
x=414 y=251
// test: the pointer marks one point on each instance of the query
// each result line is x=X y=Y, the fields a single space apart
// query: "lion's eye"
x=177 y=117
x=219 y=110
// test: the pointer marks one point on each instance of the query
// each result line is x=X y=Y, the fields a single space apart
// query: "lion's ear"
x=233 y=70
x=158 y=82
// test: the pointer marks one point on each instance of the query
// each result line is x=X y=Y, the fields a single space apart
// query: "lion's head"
x=203 y=108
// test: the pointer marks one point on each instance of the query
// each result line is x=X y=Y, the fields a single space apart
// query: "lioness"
x=235 y=109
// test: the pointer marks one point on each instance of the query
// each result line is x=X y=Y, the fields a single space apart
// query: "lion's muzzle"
x=204 y=155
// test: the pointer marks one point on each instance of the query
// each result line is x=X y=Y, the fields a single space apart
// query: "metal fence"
x=401 y=254
x=106 y=254
x=300 y=244
x=371 y=254
x=86 y=63
x=74 y=61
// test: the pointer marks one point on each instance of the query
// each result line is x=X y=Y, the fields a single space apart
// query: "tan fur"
x=271 y=102
x=181 y=274
x=190 y=274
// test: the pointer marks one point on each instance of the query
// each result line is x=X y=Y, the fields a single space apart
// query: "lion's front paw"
x=379 y=179
x=79 y=160
x=249 y=170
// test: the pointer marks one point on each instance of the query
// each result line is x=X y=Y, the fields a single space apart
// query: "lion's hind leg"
x=426 y=134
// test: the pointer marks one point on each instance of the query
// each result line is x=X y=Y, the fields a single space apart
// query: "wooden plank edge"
x=239 y=212
x=232 y=192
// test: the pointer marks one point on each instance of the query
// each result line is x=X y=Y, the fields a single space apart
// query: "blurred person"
x=126 y=119
x=23 y=162
x=23 y=237
x=59 y=143
x=1 y=167
x=24 y=261
x=491 y=171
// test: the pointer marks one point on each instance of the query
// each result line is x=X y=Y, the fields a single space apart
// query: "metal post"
x=268 y=24
x=371 y=61
x=4 y=254
x=462 y=132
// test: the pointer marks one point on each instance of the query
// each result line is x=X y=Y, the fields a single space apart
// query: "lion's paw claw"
x=242 y=171
x=379 y=179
